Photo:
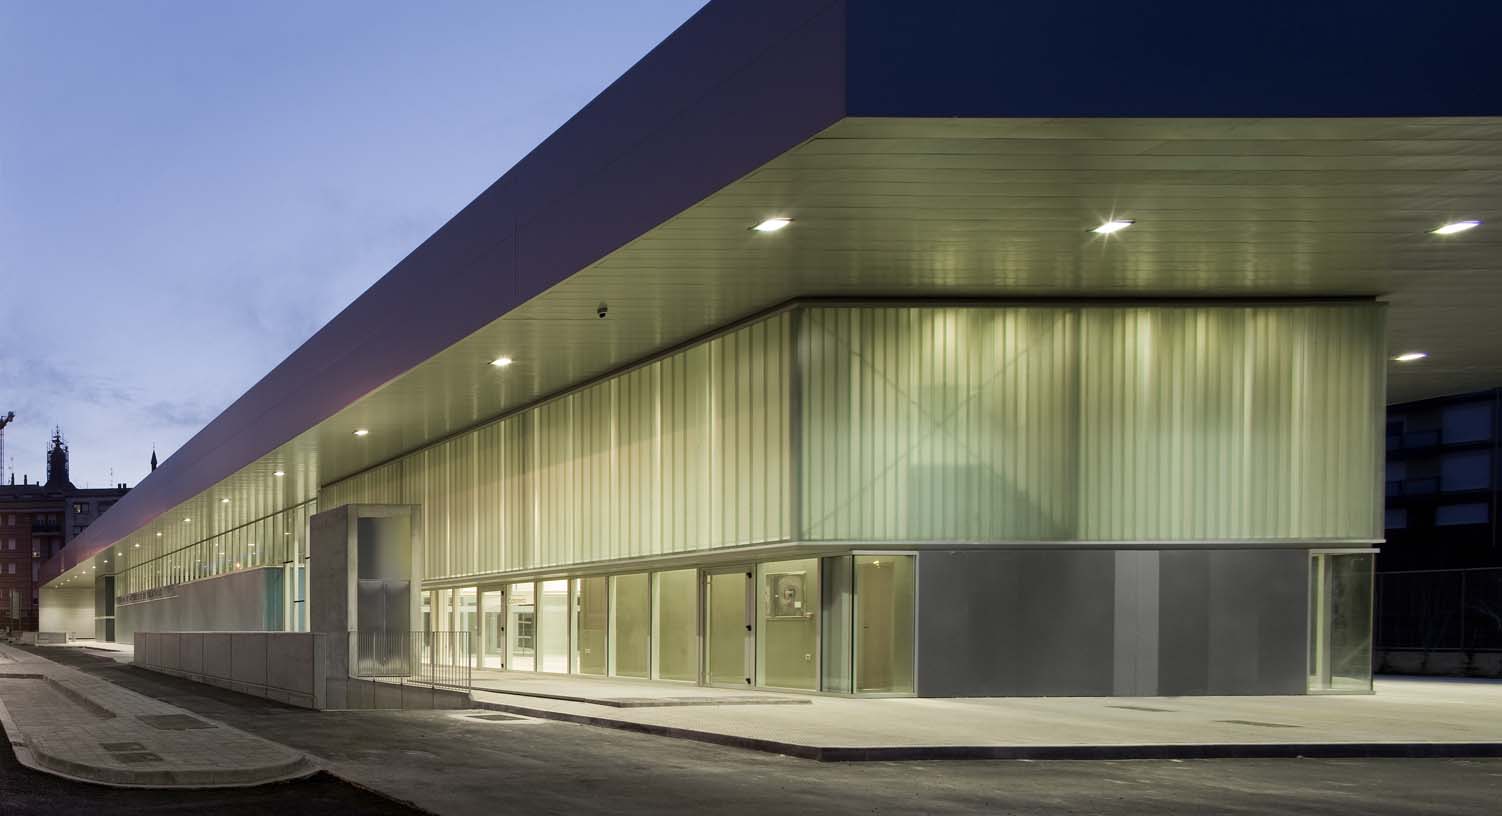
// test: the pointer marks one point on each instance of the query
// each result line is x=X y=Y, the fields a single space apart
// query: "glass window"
x=590 y=623
x=787 y=639
x=1455 y=514
x=838 y=600
x=675 y=607
x=1395 y=518
x=1470 y=470
x=552 y=626
x=630 y=625
x=1468 y=423
x=521 y=627
x=884 y=586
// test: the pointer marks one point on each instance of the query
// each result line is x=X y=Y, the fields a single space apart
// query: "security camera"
x=602 y=310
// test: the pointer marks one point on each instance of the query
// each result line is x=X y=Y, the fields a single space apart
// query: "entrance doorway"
x=1340 y=622
x=492 y=628
x=729 y=627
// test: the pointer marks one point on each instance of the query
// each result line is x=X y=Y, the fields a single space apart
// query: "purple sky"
x=189 y=190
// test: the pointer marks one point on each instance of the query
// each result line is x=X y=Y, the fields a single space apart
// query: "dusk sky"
x=189 y=190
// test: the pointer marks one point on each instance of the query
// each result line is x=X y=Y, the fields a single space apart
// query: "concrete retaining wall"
x=290 y=667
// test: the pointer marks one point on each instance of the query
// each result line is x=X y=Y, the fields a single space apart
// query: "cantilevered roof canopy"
x=951 y=152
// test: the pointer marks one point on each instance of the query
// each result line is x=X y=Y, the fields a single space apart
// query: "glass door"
x=521 y=627
x=729 y=626
x=1340 y=621
x=492 y=629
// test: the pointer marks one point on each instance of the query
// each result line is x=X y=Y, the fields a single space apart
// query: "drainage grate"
x=119 y=747
x=494 y=717
x=174 y=722
x=1258 y=724
x=136 y=758
x=1141 y=708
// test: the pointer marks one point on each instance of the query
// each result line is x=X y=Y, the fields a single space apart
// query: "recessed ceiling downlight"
x=1456 y=226
x=1114 y=225
x=773 y=224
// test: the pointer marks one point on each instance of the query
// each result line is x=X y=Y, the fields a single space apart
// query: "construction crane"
x=5 y=420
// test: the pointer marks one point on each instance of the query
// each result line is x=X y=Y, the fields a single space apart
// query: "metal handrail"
x=439 y=659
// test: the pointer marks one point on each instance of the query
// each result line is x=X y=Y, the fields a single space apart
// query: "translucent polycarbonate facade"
x=1091 y=423
x=689 y=452
x=153 y=564
x=985 y=423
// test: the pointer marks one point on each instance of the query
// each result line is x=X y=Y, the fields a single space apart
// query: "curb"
x=817 y=753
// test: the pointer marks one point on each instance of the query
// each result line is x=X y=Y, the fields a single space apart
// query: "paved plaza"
x=73 y=724
x=456 y=762
x=1405 y=717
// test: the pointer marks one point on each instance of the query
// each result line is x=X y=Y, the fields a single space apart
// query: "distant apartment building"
x=1442 y=484
x=1439 y=576
x=36 y=522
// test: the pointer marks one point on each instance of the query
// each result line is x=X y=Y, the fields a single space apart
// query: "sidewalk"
x=68 y=723
x=1405 y=718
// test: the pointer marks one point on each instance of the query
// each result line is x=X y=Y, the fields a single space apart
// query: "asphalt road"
x=445 y=762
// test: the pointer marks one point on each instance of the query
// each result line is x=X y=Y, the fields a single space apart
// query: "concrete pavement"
x=458 y=763
x=455 y=763
x=1406 y=717
x=72 y=724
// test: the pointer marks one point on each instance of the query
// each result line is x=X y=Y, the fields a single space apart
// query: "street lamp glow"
x=1411 y=356
x=773 y=224
x=1112 y=226
x=1456 y=226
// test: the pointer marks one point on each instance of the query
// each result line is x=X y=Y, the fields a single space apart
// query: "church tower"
x=57 y=463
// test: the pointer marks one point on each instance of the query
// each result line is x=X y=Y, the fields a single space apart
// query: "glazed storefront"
x=841 y=624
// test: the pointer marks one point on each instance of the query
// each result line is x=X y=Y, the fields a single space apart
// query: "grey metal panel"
x=1023 y=623
x=1102 y=622
x=1233 y=622
x=1136 y=612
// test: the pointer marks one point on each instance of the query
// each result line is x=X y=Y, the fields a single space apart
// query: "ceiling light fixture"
x=1456 y=226
x=224 y=501
x=1114 y=225
x=1410 y=356
x=279 y=473
x=362 y=432
x=772 y=224
x=501 y=362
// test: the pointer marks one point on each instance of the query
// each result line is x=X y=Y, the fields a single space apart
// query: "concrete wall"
x=237 y=601
x=1112 y=622
x=291 y=667
x=67 y=610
